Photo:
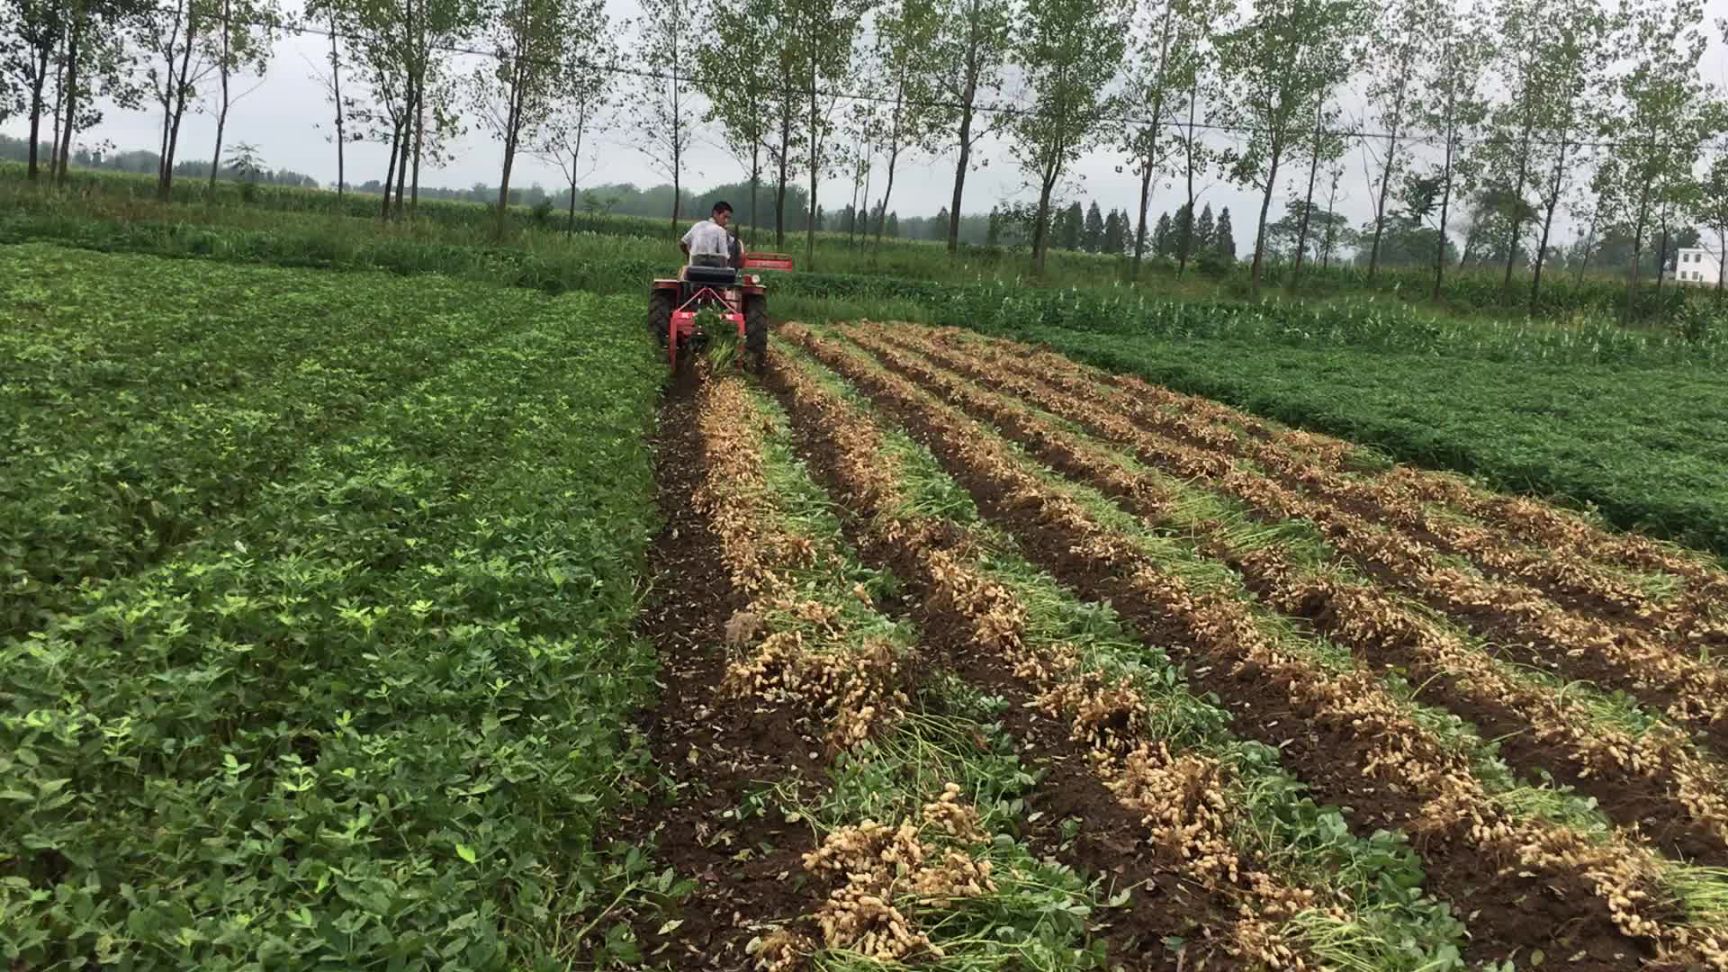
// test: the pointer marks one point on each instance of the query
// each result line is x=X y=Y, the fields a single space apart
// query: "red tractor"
x=738 y=296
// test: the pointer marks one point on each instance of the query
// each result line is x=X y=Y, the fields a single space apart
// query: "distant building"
x=1697 y=266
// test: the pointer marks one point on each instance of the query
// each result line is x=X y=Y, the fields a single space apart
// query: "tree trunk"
x=1518 y=202
x=815 y=168
x=570 y=224
x=1331 y=237
x=222 y=115
x=419 y=143
x=390 y=170
x=1188 y=153
x=1260 y=233
x=1308 y=200
x=1149 y=162
x=407 y=124
x=512 y=126
x=887 y=194
x=221 y=126
x=677 y=186
x=860 y=183
x=1637 y=252
x=1140 y=228
x=862 y=220
x=336 y=84
x=1386 y=173
x=1445 y=211
x=960 y=167
x=1589 y=245
x=1040 y=227
x=893 y=161
x=1380 y=204
x=402 y=156
x=167 y=100
x=36 y=85
x=1662 y=254
x=1551 y=204
x=55 y=114
x=182 y=94
x=780 y=185
x=70 y=97
x=1721 y=258
x=755 y=185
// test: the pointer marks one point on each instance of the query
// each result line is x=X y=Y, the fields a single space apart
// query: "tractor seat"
x=711 y=276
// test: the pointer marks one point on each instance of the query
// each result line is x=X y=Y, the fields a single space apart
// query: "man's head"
x=721 y=213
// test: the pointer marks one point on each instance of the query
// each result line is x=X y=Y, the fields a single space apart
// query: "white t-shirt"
x=708 y=238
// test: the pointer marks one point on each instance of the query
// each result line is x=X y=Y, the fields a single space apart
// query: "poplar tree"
x=735 y=73
x=820 y=47
x=1710 y=207
x=242 y=39
x=1278 y=66
x=663 y=104
x=1397 y=46
x=1571 y=76
x=971 y=48
x=518 y=91
x=912 y=121
x=1163 y=69
x=28 y=63
x=583 y=99
x=1658 y=124
x=1451 y=107
x=1068 y=52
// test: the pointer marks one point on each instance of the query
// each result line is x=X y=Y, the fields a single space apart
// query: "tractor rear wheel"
x=660 y=315
x=756 y=330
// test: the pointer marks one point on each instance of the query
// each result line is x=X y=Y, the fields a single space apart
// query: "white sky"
x=288 y=119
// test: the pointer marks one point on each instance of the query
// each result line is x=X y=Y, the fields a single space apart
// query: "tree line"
x=1487 y=116
x=1182 y=240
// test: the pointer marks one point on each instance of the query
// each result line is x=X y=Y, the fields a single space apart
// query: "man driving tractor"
x=715 y=278
x=708 y=244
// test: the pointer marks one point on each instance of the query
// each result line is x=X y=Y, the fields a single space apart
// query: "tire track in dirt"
x=1656 y=781
x=1524 y=884
x=714 y=748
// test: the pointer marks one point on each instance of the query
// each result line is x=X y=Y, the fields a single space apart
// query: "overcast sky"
x=288 y=118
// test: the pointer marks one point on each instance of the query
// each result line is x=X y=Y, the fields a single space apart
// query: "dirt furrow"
x=1656 y=780
x=1526 y=882
x=1521 y=621
x=914 y=812
x=1186 y=882
x=715 y=749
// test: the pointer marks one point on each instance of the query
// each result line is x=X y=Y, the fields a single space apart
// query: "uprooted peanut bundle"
x=886 y=875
